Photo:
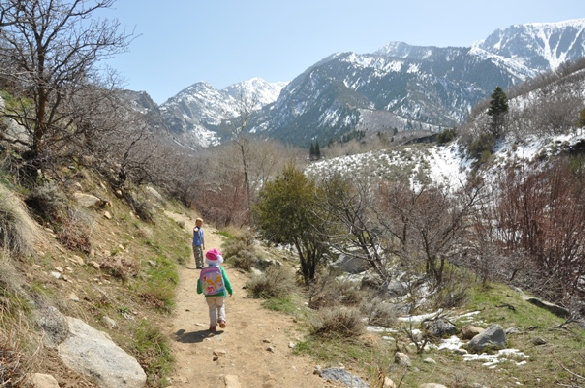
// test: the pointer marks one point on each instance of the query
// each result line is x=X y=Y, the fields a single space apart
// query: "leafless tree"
x=50 y=52
x=427 y=222
x=353 y=226
x=543 y=213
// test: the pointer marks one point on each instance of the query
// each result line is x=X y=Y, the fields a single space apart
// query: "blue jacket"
x=198 y=237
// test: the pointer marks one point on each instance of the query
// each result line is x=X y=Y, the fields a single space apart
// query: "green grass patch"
x=153 y=353
x=554 y=351
x=161 y=281
x=291 y=304
x=353 y=353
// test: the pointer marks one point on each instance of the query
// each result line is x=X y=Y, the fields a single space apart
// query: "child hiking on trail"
x=198 y=243
x=213 y=282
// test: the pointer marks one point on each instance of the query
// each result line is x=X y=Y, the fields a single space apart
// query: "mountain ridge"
x=415 y=87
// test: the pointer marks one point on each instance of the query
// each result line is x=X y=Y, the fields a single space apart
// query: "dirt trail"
x=252 y=351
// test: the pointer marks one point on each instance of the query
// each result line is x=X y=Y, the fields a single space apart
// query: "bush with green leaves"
x=446 y=136
x=287 y=212
x=482 y=148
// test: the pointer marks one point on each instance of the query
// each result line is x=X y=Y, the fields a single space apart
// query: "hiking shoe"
x=222 y=324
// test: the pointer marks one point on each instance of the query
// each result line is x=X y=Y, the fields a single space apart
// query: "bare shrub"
x=17 y=229
x=47 y=201
x=75 y=230
x=380 y=312
x=13 y=361
x=454 y=289
x=328 y=291
x=539 y=223
x=245 y=259
x=276 y=282
x=119 y=267
x=338 y=321
x=240 y=250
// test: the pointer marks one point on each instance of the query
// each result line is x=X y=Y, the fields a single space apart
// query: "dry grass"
x=339 y=321
x=18 y=344
x=75 y=230
x=276 y=282
x=328 y=291
x=17 y=229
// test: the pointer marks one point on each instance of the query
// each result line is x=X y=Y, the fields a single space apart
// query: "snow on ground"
x=445 y=165
x=455 y=344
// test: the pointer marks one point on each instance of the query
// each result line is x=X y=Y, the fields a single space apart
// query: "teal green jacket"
x=226 y=283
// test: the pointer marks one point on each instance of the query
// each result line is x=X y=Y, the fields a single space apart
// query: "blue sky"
x=223 y=42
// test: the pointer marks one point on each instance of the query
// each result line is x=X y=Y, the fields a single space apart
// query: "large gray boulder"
x=441 y=327
x=351 y=264
x=493 y=337
x=340 y=374
x=92 y=353
x=557 y=310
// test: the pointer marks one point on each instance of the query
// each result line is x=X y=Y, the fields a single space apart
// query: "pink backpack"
x=211 y=281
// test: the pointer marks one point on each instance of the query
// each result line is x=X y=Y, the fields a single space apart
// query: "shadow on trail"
x=192 y=337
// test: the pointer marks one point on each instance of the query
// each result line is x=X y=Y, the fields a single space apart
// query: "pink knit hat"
x=213 y=257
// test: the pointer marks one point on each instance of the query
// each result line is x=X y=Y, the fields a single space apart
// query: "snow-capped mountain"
x=402 y=87
x=537 y=46
x=532 y=141
x=195 y=114
x=396 y=88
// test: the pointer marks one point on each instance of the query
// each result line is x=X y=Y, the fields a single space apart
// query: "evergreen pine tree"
x=317 y=151
x=498 y=110
x=312 y=151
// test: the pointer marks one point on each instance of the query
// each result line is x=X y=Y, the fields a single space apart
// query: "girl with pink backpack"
x=214 y=283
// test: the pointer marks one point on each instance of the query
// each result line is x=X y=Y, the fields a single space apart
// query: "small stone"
x=388 y=383
x=539 y=341
x=39 y=380
x=108 y=215
x=76 y=259
x=266 y=341
x=73 y=297
x=109 y=322
x=291 y=345
x=56 y=274
x=429 y=360
x=402 y=359
x=270 y=349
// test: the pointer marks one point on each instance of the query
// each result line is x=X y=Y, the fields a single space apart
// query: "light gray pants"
x=216 y=309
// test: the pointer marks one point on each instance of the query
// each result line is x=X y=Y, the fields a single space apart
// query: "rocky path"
x=252 y=351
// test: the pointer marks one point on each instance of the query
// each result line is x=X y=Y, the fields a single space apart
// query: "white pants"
x=216 y=309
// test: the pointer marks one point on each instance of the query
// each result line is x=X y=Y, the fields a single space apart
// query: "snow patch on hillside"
x=446 y=166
